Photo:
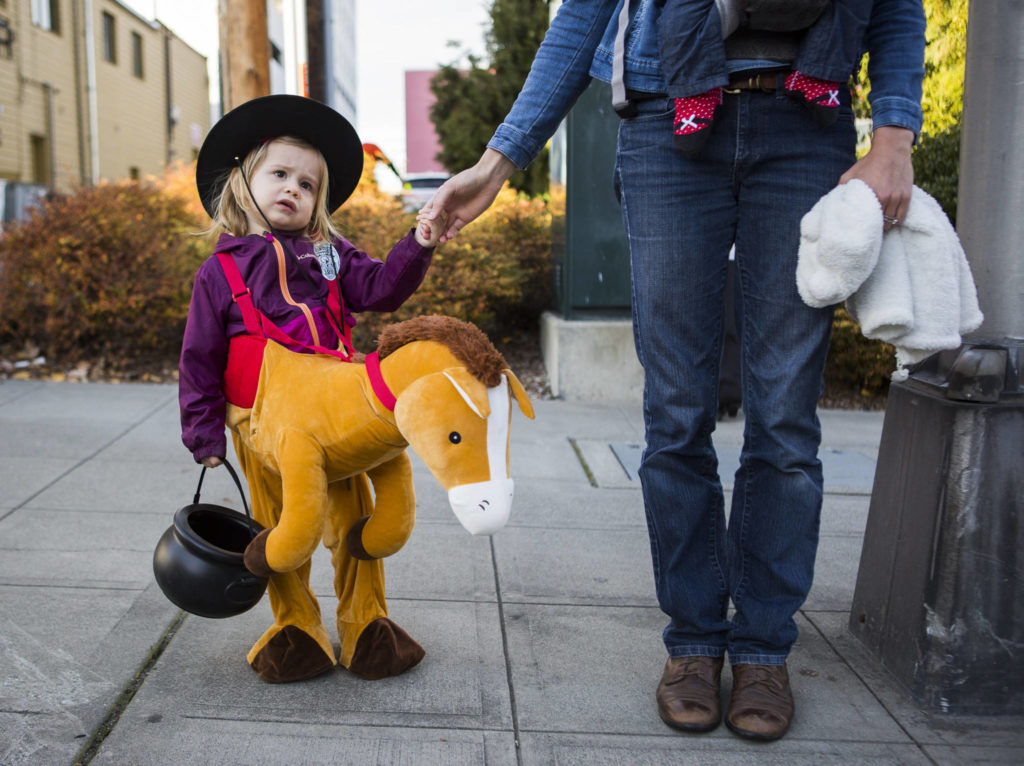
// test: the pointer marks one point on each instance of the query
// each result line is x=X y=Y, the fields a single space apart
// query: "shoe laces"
x=694 y=666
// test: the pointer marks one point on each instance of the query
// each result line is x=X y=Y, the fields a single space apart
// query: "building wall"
x=190 y=100
x=421 y=142
x=44 y=103
x=38 y=95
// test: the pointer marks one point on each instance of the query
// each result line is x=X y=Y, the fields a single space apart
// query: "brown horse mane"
x=466 y=342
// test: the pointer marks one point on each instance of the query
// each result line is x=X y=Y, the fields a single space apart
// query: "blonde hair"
x=233 y=200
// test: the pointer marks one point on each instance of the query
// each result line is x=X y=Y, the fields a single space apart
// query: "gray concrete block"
x=976 y=756
x=720 y=747
x=156 y=487
x=576 y=566
x=835 y=574
x=63 y=665
x=10 y=390
x=68 y=440
x=461 y=682
x=595 y=669
x=73 y=548
x=844 y=514
x=441 y=562
x=153 y=740
x=586 y=669
x=23 y=477
x=158 y=437
x=100 y=402
x=927 y=728
x=571 y=502
x=614 y=421
x=591 y=360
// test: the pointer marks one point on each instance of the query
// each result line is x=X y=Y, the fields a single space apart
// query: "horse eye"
x=454 y=437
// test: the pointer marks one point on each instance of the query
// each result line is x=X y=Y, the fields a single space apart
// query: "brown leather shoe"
x=688 y=695
x=762 y=703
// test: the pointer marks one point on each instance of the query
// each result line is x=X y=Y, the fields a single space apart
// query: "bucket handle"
x=226 y=464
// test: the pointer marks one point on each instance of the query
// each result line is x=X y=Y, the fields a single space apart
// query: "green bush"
x=857 y=368
x=106 y=274
x=102 y=273
x=937 y=167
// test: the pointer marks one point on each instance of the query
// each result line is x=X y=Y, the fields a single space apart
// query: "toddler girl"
x=270 y=174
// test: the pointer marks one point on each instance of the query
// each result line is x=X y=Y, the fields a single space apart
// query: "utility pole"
x=244 y=51
x=940 y=591
x=316 y=53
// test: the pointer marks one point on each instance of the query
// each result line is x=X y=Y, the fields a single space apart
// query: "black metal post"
x=940 y=591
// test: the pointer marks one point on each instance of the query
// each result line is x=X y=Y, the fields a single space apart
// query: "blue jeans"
x=765 y=164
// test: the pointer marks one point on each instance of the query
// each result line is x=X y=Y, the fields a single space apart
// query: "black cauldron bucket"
x=198 y=560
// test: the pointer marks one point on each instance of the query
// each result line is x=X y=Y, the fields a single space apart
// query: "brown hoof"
x=291 y=655
x=384 y=650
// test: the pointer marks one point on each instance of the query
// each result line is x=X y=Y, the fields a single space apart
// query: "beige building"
x=90 y=90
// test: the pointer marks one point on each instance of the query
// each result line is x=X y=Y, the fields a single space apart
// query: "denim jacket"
x=579 y=46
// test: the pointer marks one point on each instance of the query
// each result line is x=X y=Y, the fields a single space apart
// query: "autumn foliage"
x=102 y=273
x=496 y=273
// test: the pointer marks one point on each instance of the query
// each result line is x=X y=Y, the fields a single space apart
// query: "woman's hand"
x=887 y=169
x=464 y=196
x=211 y=462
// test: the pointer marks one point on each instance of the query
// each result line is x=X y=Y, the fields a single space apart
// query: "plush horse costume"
x=320 y=434
x=323 y=443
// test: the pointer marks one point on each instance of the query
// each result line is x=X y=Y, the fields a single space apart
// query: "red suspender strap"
x=258 y=324
x=336 y=306
x=241 y=295
x=380 y=388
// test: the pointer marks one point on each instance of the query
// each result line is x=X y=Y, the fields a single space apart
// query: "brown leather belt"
x=766 y=81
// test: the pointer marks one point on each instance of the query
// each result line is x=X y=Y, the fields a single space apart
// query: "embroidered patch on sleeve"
x=330 y=261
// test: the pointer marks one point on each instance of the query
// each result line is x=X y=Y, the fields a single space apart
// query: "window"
x=109 y=38
x=46 y=14
x=133 y=173
x=137 y=54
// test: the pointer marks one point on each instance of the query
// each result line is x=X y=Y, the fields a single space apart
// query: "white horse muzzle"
x=482 y=508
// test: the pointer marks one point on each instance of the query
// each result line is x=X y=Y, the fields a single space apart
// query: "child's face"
x=285 y=185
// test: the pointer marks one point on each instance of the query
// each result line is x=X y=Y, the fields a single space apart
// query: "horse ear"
x=473 y=392
x=519 y=393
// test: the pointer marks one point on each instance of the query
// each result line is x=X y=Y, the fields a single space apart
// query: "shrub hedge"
x=105 y=273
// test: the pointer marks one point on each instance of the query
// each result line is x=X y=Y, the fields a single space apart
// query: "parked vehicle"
x=417 y=188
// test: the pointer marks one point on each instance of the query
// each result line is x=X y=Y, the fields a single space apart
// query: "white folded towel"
x=913 y=290
x=840 y=239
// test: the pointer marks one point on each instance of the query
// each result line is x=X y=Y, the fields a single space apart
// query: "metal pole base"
x=940 y=590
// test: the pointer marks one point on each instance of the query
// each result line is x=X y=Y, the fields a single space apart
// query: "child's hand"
x=428 y=232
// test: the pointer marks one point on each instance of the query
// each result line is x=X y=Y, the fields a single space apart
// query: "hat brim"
x=247 y=126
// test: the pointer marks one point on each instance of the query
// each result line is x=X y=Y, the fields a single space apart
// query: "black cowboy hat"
x=247 y=126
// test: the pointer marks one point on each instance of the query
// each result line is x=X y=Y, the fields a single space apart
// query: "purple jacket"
x=367 y=284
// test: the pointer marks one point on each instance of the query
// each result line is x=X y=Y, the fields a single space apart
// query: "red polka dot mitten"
x=820 y=96
x=693 y=118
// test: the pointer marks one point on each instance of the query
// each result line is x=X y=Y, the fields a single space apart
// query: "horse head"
x=453 y=393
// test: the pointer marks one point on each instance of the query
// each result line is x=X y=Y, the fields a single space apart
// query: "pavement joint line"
x=335 y=724
x=85 y=460
x=92 y=748
x=583 y=462
x=870 y=689
x=508 y=656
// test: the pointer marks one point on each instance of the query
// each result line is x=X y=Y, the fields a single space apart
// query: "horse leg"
x=372 y=646
x=297 y=646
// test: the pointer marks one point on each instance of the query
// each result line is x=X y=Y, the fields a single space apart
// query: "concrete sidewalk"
x=543 y=643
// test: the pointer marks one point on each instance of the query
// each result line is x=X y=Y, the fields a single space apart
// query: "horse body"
x=315 y=440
